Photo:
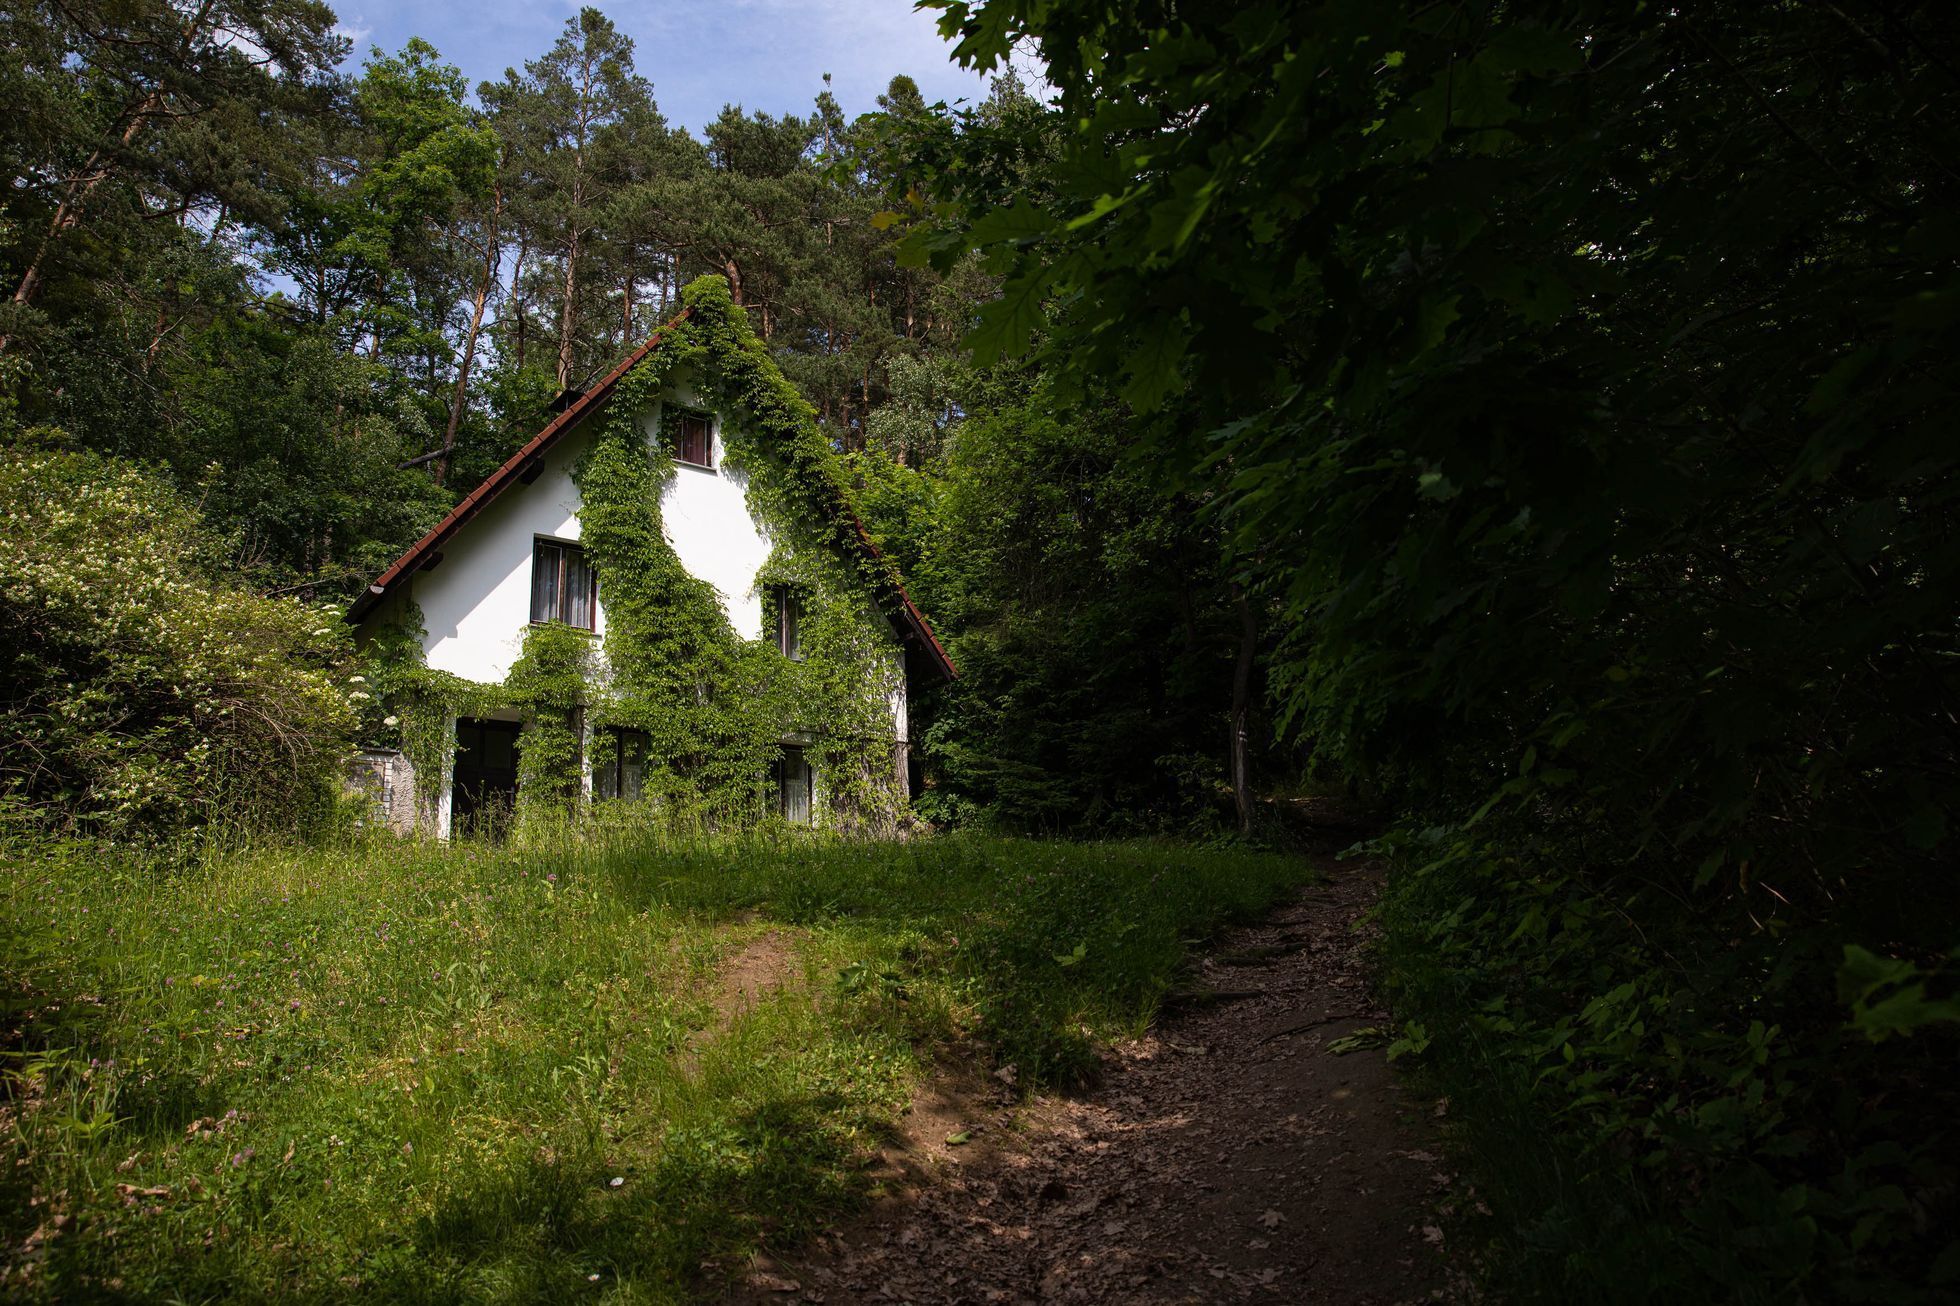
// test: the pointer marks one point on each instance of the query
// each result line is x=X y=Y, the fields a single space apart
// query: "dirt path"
x=1226 y=1157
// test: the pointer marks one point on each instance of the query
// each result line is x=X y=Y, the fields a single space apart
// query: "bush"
x=143 y=696
x=1657 y=1106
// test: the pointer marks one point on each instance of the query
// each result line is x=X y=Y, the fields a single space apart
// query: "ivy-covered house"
x=663 y=597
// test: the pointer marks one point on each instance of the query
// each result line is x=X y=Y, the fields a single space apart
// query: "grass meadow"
x=414 y=1072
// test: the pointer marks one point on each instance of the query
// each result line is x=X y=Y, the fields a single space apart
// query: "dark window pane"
x=563 y=587
x=578 y=590
x=795 y=784
x=620 y=769
x=633 y=745
x=789 y=622
x=694 y=441
x=544 y=582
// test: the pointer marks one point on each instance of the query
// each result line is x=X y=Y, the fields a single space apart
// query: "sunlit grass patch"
x=442 y=1073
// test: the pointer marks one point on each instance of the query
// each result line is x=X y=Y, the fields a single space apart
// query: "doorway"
x=483 y=792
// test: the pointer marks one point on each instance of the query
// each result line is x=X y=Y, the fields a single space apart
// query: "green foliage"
x=1579 y=378
x=549 y=681
x=413 y=1070
x=144 y=696
x=1086 y=609
x=714 y=705
x=1703 y=1147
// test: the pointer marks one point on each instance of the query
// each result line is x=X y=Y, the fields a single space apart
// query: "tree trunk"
x=734 y=281
x=1241 y=743
x=492 y=255
x=626 y=312
x=517 y=297
x=568 y=316
x=68 y=213
x=98 y=169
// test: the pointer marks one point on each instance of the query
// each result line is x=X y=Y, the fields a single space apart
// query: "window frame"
x=788 y=610
x=564 y=549
x=615 y=772
x=807 y=777
x=679 y=417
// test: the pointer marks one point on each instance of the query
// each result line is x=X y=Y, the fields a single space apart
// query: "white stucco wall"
x=706 y=514
x=476 y=602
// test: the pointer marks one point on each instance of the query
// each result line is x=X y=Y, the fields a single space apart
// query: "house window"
x=621 y=772
x=788 y=605
x=694 y=441
x=563 y=587
x=794 y=786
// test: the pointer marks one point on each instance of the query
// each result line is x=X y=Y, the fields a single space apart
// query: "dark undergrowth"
x=1652 y=1105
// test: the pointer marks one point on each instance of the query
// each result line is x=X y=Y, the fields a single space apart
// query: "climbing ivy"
x=548 y=681
x=715 y=708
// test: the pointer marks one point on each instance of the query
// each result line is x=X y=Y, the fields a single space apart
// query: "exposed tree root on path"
x=1228 y=1156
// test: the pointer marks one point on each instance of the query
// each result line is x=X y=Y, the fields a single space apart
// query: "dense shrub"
x=143 y=696
x=1582 y=376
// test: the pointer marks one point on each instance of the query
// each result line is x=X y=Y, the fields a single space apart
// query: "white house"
x=508 y=557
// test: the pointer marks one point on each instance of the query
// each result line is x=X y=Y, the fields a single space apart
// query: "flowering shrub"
x=143 y=696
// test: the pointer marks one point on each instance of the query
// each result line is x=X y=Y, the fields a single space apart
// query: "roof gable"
x=522 y=467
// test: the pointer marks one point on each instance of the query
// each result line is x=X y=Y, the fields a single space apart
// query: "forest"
x=1524 y=427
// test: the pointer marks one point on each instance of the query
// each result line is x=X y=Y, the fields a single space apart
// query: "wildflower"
x=293 y=1005
x=240 y=1158
x=617 y=1180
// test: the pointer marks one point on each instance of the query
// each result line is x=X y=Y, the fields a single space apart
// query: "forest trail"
x=1226 y=1156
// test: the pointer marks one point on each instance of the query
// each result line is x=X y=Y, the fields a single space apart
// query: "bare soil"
x=1228 y=1156
x=762 y=967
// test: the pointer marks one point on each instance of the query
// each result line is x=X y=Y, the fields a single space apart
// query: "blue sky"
x=699 y=54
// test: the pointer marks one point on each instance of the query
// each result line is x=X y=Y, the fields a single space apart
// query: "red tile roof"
x=912 y=623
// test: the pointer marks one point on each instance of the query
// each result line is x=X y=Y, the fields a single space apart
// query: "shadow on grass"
x=770 y=1175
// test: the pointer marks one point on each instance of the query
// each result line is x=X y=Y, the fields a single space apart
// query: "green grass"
x=413 y=1072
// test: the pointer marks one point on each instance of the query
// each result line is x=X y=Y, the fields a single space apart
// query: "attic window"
x=563 y=587
x=694 y=441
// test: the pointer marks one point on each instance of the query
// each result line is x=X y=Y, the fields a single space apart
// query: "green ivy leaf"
x=1007 y=324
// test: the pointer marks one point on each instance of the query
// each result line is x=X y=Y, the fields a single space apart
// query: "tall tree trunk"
x=567 y=315
x=493 y=251
x=98 y=169
x=1241 y=743
x=68 y=213
x=517 y=297
x=734 y=281
x=626 y=311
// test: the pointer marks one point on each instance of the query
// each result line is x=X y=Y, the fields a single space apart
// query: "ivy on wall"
x=420 y=704
x=548 y=681
x=715 y=708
